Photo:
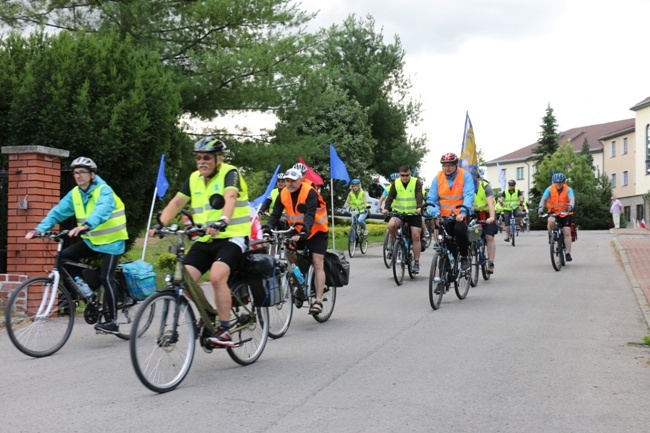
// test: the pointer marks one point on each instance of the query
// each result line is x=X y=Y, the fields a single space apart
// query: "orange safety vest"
x=558 y=201
x=293 y=216
x=449 y=198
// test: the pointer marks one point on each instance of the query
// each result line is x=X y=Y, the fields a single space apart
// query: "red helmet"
x=449 y=157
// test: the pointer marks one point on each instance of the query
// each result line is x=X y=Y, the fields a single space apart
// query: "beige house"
x=620 y=149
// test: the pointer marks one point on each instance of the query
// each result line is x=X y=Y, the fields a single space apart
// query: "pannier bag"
x=139 y=278
x=337 y=269
x=263 y=279
x=574 y=233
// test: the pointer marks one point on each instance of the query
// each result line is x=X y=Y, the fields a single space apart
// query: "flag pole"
x=332 y=198
x=146 y=234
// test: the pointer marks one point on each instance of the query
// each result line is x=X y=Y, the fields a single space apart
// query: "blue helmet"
x=355 y=182
x=394 y=176
x=559 y=177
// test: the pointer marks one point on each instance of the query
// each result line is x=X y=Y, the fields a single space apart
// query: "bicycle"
x=477 y=253
x=41 y=312
x=162 y=349
x=427 y=232
x=387 y=250
x=513 y=227
x=356 y=236
x=294 y=293
x=445 y=266
x=556 y=242
x=524 y=225
x=402 y=249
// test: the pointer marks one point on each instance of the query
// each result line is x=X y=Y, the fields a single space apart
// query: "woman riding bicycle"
x=358 y=200
x=101 y=223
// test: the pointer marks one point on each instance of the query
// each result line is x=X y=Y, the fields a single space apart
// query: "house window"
x=624 y=146
x=639 y=212
x=612 y=149
x=624 y=178
x=520 y=173
x=612 y=179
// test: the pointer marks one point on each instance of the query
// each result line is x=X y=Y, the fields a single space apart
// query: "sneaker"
x=416 y=267
x=507 y=239
x=108 y=327
x=490 y=268
x=568 y=257
x=365 y=233
x=464 y=263
x=222 y=338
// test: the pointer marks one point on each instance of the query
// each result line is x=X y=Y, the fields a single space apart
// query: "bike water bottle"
x=451 y=258
x=83 y=287
x=298 y=274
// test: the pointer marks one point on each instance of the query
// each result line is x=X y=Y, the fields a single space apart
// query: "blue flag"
x=259 y=200
x=468 y=158
x=162 y=185
x=337 y=168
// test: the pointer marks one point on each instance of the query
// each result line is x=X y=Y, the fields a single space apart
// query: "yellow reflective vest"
x=111 y=230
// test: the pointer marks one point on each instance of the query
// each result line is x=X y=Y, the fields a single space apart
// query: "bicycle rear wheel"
x=249 y=330
x=473 y=264
x=352 y=242
x=364 y=243
x=484 y=262
x=398 y=262
x=388 y=257
x=39 y=318
x=162 y=353
x=462 y=287
x=513 y=231
x=329 y=300
x=126 y=312
x=556 y=252
x=280 y=315
x=437 y=279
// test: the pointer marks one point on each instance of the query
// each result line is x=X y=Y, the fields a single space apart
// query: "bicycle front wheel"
x=462 y=288
x=161 y=351
x=437 y=280
x=388 y=257
x=280 y=315
x=39 y=317
x=398 y=262
x=126 y=312
x=249 y=330
x=473 y=264
x=556 y=253
x=352 y=242
x=364 y=243
x=329 y=300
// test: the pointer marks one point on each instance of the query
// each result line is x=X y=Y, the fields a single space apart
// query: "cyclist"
x=268 y=203
x=523 y=208
x=357 y=200
x=407 y=194
x=314 y=231
x=484 y=205
x=219 y=251
x=453 y=186
x=559 y=198
x=101 y=223
x=511 y=198
x=498 y=208
x=384 y=194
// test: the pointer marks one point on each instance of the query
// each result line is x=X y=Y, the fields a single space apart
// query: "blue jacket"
x=468 y=193
x=103 y=210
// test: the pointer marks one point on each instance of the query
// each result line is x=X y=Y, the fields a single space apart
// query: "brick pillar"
x=34 y=181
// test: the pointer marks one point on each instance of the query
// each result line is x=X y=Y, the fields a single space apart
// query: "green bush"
x=166 y=261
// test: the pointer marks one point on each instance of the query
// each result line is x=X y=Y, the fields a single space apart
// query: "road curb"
x=640 y=296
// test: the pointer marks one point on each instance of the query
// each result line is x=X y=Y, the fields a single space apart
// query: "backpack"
x=337 y=269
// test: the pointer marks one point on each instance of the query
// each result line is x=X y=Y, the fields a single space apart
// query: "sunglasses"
x=404 y=175
x=203 y=157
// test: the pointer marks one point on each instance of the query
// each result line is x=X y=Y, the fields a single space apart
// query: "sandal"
x=316 y=308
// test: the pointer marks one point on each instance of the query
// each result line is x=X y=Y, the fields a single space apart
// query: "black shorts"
x=564 y=222
x=414 y=221
x=316 y=244
x=203 y=254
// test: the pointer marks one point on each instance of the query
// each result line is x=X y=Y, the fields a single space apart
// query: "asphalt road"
x=531 y=350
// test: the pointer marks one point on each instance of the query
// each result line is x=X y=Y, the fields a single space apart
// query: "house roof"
x=642 y=104
x=575 y=136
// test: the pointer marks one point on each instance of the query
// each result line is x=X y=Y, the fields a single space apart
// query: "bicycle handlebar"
x=54 y=236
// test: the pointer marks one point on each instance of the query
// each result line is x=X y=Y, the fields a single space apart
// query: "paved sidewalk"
x=633 y=247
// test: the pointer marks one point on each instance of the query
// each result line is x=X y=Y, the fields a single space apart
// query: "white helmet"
x=82 y=161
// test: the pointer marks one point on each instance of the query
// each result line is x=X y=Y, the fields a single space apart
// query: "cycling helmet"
x=511 y=182
x=449 y=157
x=280 y=176
x=82 y=161
x=355 y=182
x=209 y=145
x=302 y=168
x=293 y=174
x=559 y=177
x=394 y=176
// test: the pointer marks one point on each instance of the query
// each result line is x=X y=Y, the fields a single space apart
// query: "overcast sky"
x=503 y=61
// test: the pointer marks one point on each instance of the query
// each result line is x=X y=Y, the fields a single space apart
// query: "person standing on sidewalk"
x=616 y=210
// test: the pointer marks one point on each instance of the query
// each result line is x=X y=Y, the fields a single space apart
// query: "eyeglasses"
x=80 y=172
x=203 y=158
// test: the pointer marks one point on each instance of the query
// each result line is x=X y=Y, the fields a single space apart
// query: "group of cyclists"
x=296 y=201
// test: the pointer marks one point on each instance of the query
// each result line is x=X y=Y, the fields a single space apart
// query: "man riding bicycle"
x=453 y=186
x=559 y=199
x=312 y=225
x=220 y=250
x=407 y=195
x=358 y=200
x=101 y=223
x=511 y=197
x=484 y=206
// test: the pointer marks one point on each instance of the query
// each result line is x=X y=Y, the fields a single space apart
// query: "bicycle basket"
x=139 y=278
x=474 y=233
x=263 y=279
